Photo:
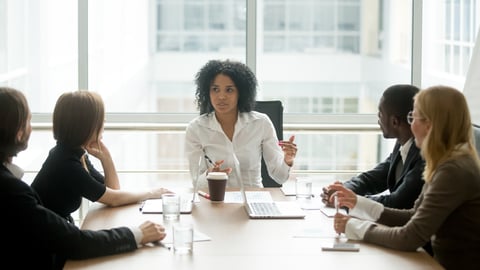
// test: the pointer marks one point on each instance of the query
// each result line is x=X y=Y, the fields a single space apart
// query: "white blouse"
x=254 y=135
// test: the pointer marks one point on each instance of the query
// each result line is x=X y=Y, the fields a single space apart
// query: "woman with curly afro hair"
x=229 y=134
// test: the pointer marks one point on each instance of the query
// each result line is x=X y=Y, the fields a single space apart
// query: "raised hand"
x=289 y=150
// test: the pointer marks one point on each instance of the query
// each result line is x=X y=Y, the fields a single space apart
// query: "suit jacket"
x=404 y=191
x=446 y=212
x=44 y=239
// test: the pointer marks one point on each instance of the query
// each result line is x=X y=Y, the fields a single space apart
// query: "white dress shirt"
x=254 y=136
x=405 y=148
x=368 y=211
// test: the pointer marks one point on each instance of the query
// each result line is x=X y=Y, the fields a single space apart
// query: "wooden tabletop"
x=237 y=242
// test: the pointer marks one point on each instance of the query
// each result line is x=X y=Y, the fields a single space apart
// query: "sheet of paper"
x=315 y=231
x=154 y=206
x=197 y=237
x=330 y=211
x=312 y=204
x=252 y=196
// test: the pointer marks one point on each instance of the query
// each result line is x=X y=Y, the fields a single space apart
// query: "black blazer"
x=43 y=239
x=402 y=193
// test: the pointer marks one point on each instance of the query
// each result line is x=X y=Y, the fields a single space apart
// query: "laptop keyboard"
x=264 y=208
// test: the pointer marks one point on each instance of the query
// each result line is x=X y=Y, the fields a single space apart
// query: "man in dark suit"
x=401 y=172
x=35 y=237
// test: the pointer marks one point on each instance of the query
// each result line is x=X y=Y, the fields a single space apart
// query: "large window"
x=449 y=32
x=38 y=49
x=328 y=62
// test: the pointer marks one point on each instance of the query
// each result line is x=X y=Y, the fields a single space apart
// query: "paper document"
x=154 y=206
x=312 y=204
x=331 y=211
x=315 y=231
x=197 y=237
x=252 y=196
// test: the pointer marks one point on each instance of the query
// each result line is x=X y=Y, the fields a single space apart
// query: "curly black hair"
x=241 y=75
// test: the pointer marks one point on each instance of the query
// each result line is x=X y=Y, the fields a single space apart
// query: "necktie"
x=399 y=168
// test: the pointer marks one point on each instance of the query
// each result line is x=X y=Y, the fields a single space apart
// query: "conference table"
x=237 y=242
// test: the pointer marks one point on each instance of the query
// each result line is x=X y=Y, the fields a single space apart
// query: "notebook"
x=154 y=206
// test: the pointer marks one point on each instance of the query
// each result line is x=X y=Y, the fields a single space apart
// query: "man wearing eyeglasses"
x=397 y=181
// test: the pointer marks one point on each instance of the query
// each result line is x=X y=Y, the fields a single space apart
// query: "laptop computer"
x=264 y=209
x=274 y=210
x=269 y=209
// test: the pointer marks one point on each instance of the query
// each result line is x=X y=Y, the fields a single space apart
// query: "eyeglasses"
x=410 y=117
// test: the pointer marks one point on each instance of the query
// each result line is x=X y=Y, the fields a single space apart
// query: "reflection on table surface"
x=238 y=242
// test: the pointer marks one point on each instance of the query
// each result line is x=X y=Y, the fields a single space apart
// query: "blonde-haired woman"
x=446 y=212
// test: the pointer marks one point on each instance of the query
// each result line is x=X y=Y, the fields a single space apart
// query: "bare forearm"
x=111 y=176
x=119 y=197
x=113 y=197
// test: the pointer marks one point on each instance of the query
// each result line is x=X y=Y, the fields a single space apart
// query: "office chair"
x=274 y=110
x=476 y=137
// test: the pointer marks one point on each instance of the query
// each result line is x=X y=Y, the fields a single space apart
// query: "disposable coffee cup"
x=217 y=181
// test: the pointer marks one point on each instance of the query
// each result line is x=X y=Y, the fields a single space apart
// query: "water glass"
x=171 y=207
x=303 y=189
x=183 y=238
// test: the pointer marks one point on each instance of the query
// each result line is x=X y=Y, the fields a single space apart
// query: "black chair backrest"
x=274 y=110
x=476 y=137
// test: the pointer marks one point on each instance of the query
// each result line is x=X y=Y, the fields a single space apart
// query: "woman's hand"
x=98 y=150
x=340 y=222
x=158 y=192
x=216 y=167
x=289 y=149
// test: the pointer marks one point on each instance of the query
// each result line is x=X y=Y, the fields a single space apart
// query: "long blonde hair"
x=447 y=111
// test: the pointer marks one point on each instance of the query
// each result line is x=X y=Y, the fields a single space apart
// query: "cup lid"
x=217 y=176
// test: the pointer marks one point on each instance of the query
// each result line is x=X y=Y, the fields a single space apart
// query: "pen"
x=204 y=194
x=335 y=197
x=163 y=245
x=210 y=161
x=141 y=206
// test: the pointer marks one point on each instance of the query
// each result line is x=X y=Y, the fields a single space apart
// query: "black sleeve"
x=371 y=182
x=405 y=194
x=32 y=227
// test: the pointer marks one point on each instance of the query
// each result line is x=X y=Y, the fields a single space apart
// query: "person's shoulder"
x=11 y=184
x=465 y=161
x=203 y=120
x=254 y=115
x=460 y=167
x=465 y=172
x=199 y=119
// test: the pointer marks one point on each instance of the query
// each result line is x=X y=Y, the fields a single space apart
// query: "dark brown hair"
x=14 y=113
x=77 y=117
